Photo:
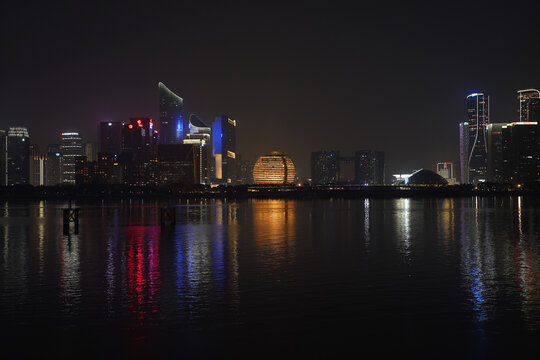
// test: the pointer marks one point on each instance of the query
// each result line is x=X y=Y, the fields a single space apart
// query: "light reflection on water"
x=238 y=268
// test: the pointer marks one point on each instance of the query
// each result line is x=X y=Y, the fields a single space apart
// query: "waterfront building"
x=369 y=167
x=244 y=172
x=224 y=149
x=172 y=126
x=3 y=158
x=520 y=152
x=529 y=100
x=477 y=122
x=274 y=168
x=110 y=137
x=38 y=170
x=446 y=171
x=424 y=177
x=53 y=165
x=325 y=167
x=18 y=156
x=138 y=157
x=464 y=152
x=178 y=164
x=71 y=148
x=199 y=135
x=495 y=153
x=347 y=169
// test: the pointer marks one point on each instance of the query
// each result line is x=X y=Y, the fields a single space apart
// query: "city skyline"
x=280 y=72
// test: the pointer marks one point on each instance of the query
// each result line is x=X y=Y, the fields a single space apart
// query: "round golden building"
x=274 y=168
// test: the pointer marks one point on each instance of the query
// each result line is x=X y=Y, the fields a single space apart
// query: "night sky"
x=297 y=78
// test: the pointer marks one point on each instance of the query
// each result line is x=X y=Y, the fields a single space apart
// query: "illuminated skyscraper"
x=528 y=104
x=369 y=167
x=199 y=136
x=478 y=120
x=139 y=148
x=520 y=152
x=54 y=165
x=172 y=126
x=464 y=152
x=495 y=153
x=224 y=149
x=18 y=156
x=71 y=148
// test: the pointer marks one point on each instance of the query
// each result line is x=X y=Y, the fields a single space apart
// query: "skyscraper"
x=464 y=152
x=18 y=156
x=528 y=100
x=172 y=126
x=139 y=147
x=478 y=120
x=199 y=135
x=178 y=164
x=224 y=148
x=54 y=165
x=520 y=152
x=495 y=153
x=71 y=148
x=325 y=167
x=110 y=137
x=3 y=158
x=369 y=167
x=38 y=170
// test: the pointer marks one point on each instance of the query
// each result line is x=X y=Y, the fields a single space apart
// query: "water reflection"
x=403 y=218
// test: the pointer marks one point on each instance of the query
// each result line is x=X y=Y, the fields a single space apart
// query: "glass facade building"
x=495 y=153
x=369 y=167
x=172 y=126
x=70 y=149
x=274 y=168
x=325 y=167
x=18 y=156
x=110 y=137
x=224 y=149
x=520 y=152
x=477 y=122
x=528 y=104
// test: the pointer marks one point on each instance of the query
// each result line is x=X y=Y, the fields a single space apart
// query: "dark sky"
x=297 y=78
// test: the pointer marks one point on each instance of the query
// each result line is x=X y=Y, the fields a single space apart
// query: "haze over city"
x=297 y=78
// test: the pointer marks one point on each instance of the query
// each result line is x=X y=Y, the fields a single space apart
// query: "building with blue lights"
x=224 y=149
x=199 y=136
x=172 y=126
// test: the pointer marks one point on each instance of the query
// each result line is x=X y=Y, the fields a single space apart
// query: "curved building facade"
x=172 y=126
x=274 y=168
x=478 y=121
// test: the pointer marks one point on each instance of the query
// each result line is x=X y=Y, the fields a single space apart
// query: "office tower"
x=274 y=168
x=199 y=135
x=464 y=152
x=3 y=158
x=347 y=170
x=139 y=142
x=495 y=153
x=520 y=152
x=38 y=170
x=369 y=167
x=54 y=165
x=244 y=172
x=172 y=126
x=224 y=149
x=478 y=120
x=178 y=164
x=71 y=148
x=91 y=151
x=325 y=167
x=18 y=156
x=446 y=171
x=110 y=137
x=528 y=100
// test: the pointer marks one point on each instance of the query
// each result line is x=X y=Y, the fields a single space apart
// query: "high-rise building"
x=325 y=167
x=347 y=169
x=38 y=170
x=54 y=165
x=172 y=126
x=71 y=148
x=91 y=151
x=18 y=156
x=464 y=152
x=520 y=152
x=178 y=164
x=446 y=171
x=528 y=102
x=110 y=137
x=477 y=122
x=224 y=149
x=139 y=143
x=369 y=167
x=495 y=153
x=199 y=135
x=3 y=158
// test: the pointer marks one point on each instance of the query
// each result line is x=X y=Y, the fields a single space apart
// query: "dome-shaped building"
x=425 y=177
x=274 y=168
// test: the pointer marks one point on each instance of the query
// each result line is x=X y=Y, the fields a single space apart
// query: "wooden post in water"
x=71 y=215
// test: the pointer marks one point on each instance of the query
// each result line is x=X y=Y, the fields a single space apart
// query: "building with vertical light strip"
x=172 y=126
x=464 y=152
x=70 y=149
x=224 y=149
x=476 y=159
x=529 y=101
